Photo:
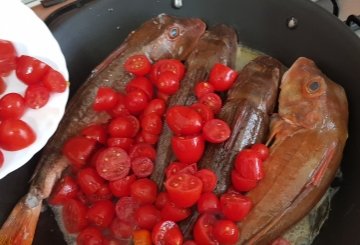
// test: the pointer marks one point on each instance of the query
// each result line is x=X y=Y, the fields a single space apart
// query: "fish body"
x=308 y=137
x=156 y=39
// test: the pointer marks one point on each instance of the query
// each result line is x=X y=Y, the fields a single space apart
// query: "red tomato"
x=15 y=135
x=168 y=83
x=222 y=77
x=1 y=159
x=212 y=100
x=203 y=230
x=184 y=120
x=78 y=150
x=156 y=105
x=142 y=166
x=202 y=88
x=262 y=150
x=171 y=212
x=121 y=187
x=216 y=131
x=249 y=165
x=12 y=105
x=141 y=83
x=161 y=199
x=149 y=138
x=119 y=110
x=226 y=232
x=122 y=229
x=104 y=193
x=54 y=81
x=174 y=168
x=139 y=65
x=136 y=101
x=96 y=132
x=7 y=57
x=152 y=123
x=208 y=203
x=113 y=163
x=189 y=242
x=147 y=216
x=106 y=99
x=64 y=190
x=36 y=96
x=209 y=179
x=235 y=206
x=101 y=213
x=2 y=85
x=74 y=216
x=30 y=70
x=162 y=96
x=125 y=209
x=184 y=190
x=89 y=181
x=142 y=150
x=240 y=183
x=189 y=169
x=144 y=191
x=124 y=127
x=124 y=143
x=204 y=111
x=167 y=232
x=167 y=65
x=90 y=236
x=181 y=147
x=142 y=237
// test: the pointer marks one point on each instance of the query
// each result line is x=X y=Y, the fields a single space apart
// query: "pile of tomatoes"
x=41 y=81
x=107 y=196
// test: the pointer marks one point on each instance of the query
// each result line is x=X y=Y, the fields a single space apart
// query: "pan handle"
x=177 y=3
x=353 y=19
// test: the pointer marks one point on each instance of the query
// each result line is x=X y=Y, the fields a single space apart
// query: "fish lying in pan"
x=161 y=37
x=308 y=137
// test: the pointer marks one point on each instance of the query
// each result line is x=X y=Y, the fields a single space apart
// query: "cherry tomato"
x=64 y=190
x=2 y=85
x=1 y=159
x=204 y=111
x=262 y=150
x=168 y=83
x=106 y=99
x=15 y=135
x=216 y=131
x=184 y=190
x=30 y=70
x=167 y=232
x=167 y=65
x=249 y=165
x=147 y=216
x=157 y=106
x=90 y=236
x=12 y=105
x=96 y=132
x=7 y=57
x=142 y=150
x=124 y=127
x=121 y=187
x=189 y=168
x=226 y=232
x=112 y=241
x=136 y=101
x=202 y=88
x=181 y=147
x=189 y=242
x=54 y=81
x=144 y=191
x=141 y=83
x=161 y=199
x=162 y=96
x=222 y=77
x=104 y=193
x=209 y=179
x=174 y=168
x=184 y=120
x=89 y=181
x=122 y=229
x=142 y=166
x=208 y=203
x=119 y=110
x=212 y=100
x=36 y=96
x=240 y=183
x=125 y=209
x=149 y=138
x=235 y=206
x=74 y=216
x=171 y=212
x=142 y=237
x=203 y=230
x=139 y=65
x=78 y=150
x=101 y=213
x=152 y=123
x=124 y=143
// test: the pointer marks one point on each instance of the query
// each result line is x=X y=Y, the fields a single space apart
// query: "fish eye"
x=174 y=32
x=313 y=86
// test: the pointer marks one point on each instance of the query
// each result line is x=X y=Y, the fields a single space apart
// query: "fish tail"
x=19 y=228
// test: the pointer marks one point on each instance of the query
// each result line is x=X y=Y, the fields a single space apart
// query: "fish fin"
x=276 y=125
x=19 y=228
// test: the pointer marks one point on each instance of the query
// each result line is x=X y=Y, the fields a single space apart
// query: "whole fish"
x=218 y=45
x=308 y=137
x=161 y=37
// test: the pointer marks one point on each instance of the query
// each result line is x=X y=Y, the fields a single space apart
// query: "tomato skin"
x=161 y=199
x=141 y=83
x=36 y=96
x=136 y=101
x=138 y=64
x=167 y=65
x=142 y=237
x=183 y=120
x=208 y=203
x=54 y=81
x=147 y=216
x=101 y=213
x=2 y=85
x=235 y=206
x=249 y=165
x=12 y=105
x=182 y=145
x=240 y=183
x=216 y=131
x=202 y=88
x=7 y=57
x=204 y=111
x=183 y=189
x=203 y=230
x=124 y=127
x=15 y=135
x=171 y=212
x=119 y=110
x=167 y=232
x=122 y=229
x=74 y=216
x=90 y=236
x=125 y=209
x=226 y=232
x=124 y=143
x=142 y=150
x=78 y=149
x=142 y=166
x=89 y=181
x=174 y=168
x=121 y=187
x=262 y=150
x=106 y=99
x=148 y=138
x=168 y=83
x=189 y=242
x=96 y=132
x=65 y=189
x=152 y=123
x=212 y=100
x=144 y=191
x=102 y=194
x=1 y=159
x=157 y=106
x=209 y=179
x=222 y=77
x=30 y=70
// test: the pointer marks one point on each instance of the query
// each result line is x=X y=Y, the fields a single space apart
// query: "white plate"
x=31 y=36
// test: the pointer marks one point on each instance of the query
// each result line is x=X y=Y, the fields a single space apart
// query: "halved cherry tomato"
x=119 y=110
x=96 y=132
x=161 y=199
x=106 y=99
x=183 y=120
x=209 y=179
x=174 y=168
x=181 y=147
x=212 y=100
x=30 y=70
x=204 y=111
x=15 y=135
x=54 y=81
x=262 y=150
x=142 y=237
x=222 y=77
x=202 y=88
x=7 y=57
x=136 y=101
x=216 y=131
x=240 y=183
x=144 y=191
x=104 y=193
x=122 y=229
x=125 y=209
x=12 y=105
x=203 y=230
x=142 y=150
x=89 y=181
x=74 y=216
x=113 y=163
x=141 y=83
x=235 y=206
x=64 y=190
x=124 y=143
x=167 y=65
x=142 y=166
x=90 y=236
x=167 y=232
x=149 y=138
x=184 y=190
x=156 y=105
x=138 y=65
x=189 y=169
x=168 y=83
x=226 y=232
x=147 y=216
x=101 y=213
x=124 y=127
x=171 y=212
x=36 y=96
x=152 y=123
x=2 y=85
x=208 y=203
x=121 y=187
x=1 y=159
x=249 y=165
x=78 y=150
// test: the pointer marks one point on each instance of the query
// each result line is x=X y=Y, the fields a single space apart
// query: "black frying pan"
x=89 y=33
